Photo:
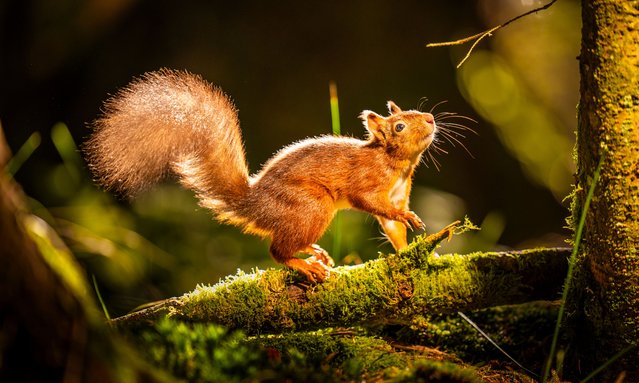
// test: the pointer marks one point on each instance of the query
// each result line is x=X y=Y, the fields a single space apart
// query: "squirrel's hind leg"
x=299 y=236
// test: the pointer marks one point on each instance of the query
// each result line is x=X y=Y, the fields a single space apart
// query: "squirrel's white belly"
x=398 y=192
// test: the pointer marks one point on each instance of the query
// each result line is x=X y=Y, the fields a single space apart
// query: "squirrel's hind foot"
x=314 y=270
x=318 y=254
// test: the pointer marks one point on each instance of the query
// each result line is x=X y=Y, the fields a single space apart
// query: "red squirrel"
x=174 y=121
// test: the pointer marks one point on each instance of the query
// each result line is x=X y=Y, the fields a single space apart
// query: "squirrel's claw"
x=411 y=220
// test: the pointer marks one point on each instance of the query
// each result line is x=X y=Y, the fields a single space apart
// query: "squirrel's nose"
x=429 y=118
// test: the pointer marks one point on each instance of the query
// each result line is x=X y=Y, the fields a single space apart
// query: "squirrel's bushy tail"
x=171 y=121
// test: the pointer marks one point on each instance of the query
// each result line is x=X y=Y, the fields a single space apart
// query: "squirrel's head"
x=406 y=133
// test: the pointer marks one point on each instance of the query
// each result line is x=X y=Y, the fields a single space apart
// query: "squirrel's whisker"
x=446 y=129
x=436 y=105
x=422 y=102
x=434 y=160
x=458 y=126
x=450 y=138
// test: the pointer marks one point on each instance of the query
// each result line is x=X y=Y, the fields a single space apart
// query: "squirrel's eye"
x=399 y=127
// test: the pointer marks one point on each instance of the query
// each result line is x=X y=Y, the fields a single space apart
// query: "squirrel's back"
x=170 y=121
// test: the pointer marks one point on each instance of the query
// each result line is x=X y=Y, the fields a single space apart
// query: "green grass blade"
x=23 y=154
x=334 y=109
x=608 y=363
x=65 y=145
x=68 y=150
x=337 y=221
x=97 y=292
x=571 y=266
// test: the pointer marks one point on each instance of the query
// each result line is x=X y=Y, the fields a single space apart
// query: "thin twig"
x=480 y=36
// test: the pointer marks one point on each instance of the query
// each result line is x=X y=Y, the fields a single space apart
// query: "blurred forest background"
x=61 y=59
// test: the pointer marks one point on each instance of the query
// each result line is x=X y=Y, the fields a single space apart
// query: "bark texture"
x=608 y=266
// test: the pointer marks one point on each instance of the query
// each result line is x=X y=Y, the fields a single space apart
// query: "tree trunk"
x=608 y=265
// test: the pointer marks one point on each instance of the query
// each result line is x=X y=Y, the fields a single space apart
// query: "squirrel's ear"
x=374 y=123
x=393 y=108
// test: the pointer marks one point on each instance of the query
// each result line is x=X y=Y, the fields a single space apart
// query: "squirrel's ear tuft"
x=374 y=123
x=393 y=108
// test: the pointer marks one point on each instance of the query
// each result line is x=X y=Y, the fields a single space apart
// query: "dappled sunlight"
x=530 y=131
x=527 y=87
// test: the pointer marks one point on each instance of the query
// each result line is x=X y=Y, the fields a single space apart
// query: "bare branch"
x=480 y=36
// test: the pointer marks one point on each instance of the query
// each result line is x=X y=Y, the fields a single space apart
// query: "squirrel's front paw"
x=411 y=220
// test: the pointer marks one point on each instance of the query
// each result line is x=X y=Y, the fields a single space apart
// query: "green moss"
x=523 y=330
x=350 y=352
x=210 y=353
x=434 y=371
x=198 y=352
x=238 y=299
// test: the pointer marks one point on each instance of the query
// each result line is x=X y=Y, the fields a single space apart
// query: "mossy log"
x=390 y=289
